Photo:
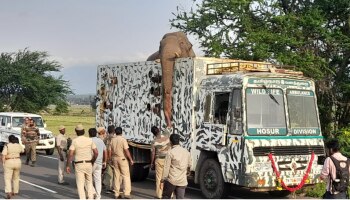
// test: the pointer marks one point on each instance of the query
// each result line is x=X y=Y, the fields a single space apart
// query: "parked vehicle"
x=12 y=122
x=237 y=118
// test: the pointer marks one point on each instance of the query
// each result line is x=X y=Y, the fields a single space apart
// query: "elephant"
x=173 y=45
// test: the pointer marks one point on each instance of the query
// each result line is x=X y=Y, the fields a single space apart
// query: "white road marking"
x=38 y=186
x=49 y=157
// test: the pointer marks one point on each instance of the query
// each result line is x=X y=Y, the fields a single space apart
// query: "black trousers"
x=169 y=188
x=328 y=195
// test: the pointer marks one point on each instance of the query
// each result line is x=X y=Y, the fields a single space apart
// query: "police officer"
x=31 y=139
x=85 y=152
x=159 y=150
x=108 y=173
x=177 y=164
x=12 y=165
x=61 y=146
x=118 y=151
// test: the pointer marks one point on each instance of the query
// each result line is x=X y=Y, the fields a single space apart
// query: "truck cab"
x=11 y=124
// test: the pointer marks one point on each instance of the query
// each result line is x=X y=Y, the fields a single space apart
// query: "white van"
x=11 y=123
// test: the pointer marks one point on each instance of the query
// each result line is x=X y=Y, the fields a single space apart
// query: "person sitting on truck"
x=159 y=150
x=177 y=164
x=12 y=165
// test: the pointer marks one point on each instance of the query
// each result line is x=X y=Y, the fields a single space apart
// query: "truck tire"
x=211 y=181
x=138 y=172
x=49 y=151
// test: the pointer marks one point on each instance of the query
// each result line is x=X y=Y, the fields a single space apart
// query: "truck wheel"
x=138 y=172
x=279 y=193
x=211 y=181
x=49 y=151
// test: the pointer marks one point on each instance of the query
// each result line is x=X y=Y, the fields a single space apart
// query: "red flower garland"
x=301 y=184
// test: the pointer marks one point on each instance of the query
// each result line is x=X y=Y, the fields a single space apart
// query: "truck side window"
x=236 y=112
x=207 y=107
x=3 y=121
x=1 y=118
x=221 y=107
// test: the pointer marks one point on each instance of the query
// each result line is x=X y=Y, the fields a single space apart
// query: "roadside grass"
x=77 y=115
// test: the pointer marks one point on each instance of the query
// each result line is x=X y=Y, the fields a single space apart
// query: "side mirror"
x=8 y=126
x=45 y=125
x=237 y=112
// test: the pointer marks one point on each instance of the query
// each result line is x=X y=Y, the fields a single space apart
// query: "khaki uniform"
x=61 y=142
x=82 y=147
x=109 y=171
x=31 y=139
x=12 y=166
x=177 y=161
x=121 y=164
x=160 y=146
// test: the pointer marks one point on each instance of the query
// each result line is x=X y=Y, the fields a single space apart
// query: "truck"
x=245 y=123
x=11 y=124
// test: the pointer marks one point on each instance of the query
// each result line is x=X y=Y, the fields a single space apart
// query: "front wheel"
x=211 y=181
x=49 y=151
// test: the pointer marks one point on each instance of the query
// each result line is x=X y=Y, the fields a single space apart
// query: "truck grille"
x=288 y=150
x=44 y=136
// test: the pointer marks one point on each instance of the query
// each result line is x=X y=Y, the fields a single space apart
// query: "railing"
x=251 y=66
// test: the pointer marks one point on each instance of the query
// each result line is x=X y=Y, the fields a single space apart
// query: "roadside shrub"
x=315 y=191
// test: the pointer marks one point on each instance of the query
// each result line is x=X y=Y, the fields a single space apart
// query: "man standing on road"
x=85 y=152
x=102 y=134
x=100 y=162
x=118 y=151
x=334 y=166
x=159 y=150
x=61 y=146
x=31 y=139
x=109 y=171
x=177 y=163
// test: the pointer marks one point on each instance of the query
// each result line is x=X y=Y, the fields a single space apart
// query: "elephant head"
x=172 y=46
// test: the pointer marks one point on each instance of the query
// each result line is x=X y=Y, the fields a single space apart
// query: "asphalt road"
x=40 y=182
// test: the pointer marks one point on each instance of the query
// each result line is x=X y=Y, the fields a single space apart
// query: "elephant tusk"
x=177 y=55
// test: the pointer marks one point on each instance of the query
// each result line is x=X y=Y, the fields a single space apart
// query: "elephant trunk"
x=167 y=61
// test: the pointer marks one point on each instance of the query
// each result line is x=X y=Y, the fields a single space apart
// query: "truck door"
x=234 y=136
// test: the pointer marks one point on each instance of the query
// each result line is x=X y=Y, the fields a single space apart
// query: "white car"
x=11 y=123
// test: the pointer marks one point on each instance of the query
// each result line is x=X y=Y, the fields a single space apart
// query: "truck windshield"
x=264 y=115
x=302 y=112
x=18 y=121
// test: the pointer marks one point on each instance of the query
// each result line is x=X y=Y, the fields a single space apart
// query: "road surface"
x=40 y=182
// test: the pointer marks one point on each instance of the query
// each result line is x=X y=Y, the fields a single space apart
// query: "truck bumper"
x=46 y=144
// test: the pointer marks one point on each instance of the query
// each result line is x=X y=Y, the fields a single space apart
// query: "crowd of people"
x=100 y=161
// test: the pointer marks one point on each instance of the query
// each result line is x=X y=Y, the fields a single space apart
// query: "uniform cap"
x=61 y=127
x=79 y=127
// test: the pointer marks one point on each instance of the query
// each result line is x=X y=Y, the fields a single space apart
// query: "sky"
x=82 y=34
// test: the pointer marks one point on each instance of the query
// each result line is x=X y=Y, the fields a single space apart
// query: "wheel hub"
x=210 y=180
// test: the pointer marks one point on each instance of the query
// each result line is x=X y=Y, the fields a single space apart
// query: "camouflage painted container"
x=214 y=111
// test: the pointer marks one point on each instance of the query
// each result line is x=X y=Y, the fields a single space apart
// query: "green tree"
x=61 y=107
x=314 y=36
x=27 y=83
